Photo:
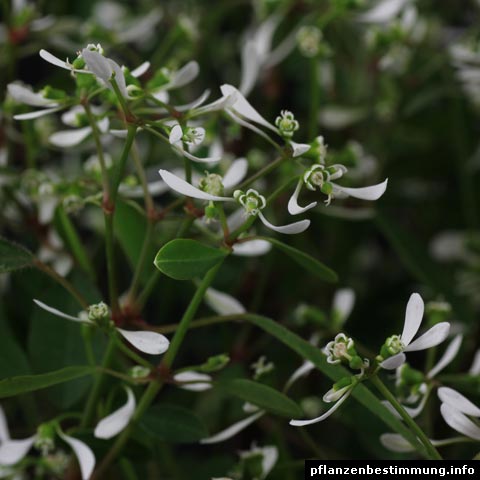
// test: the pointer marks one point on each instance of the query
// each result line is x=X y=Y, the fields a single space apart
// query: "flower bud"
x=308 y=39
x=287 y=124
x=98 y=312
x=45 y=439
x=250 y=200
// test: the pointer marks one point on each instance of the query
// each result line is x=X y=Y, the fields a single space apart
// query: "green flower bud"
x=53 y=93
x=139 y=371
x=45 y=439
x=215 y=363
x=287 y=124
x=98 y=312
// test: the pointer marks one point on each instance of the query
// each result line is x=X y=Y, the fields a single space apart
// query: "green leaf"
x=10 y=387
x=416 y=259
x=312 y=353
x=184 y=259
x=173 y=424
x=309 y=263
x=13 y=256
x=263 y=396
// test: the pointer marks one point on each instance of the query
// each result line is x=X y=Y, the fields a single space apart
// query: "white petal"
x=69 y=138
x=114 y=423
x=12 y=451
x=383 y=12
x=46 y=209
x=202 y=381
x=300 y=372
x=25 y=95
x=140 y=70
x=243 y=107
x=236 y=173
x=413 y=317
x=290 y=229
x=47 y=56
x=475 y=368
x=432 y=337
x=270 y=458
x=252 y=248
x=458 y=401
x=221 y=103
x=152 y=343
x=459 y=422
x=184 y=76
x=36 y=114
x=337 y=117
x=233 y=429
x=373 y=192
x=4 y=432
x=85 y=456
x=176 y=134
x=391 y=363
x=299 y=148
x=58 y=313
x=396 y=443
x=343 y=302
x=449 y=354
x=251 y=63
x=335 y=395
x=194 y=104
x=98 y=64
x=183 y=187
x=154 y=188
x=413 y=412
x=302 y=423
x=222 y=303
x=193 y=158
x=293 y=207
x=161 y=96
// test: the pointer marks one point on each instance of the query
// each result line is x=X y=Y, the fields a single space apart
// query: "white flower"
x=383 y=11
x=193 y=381
x=191 y=136
x=456 y=410
x=269 y=456
x=251 y=200
x=147 y=342
x=12 y=451
x=178 y=79
x=322 y=177
x=114 y=423
x=396 y=345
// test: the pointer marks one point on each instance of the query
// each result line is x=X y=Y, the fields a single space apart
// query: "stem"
x=97 y=386
x=62 y=281
x=201 y=322
x=430 y=449
x=262 y=172
x=132 y=355
x=110 y=252
x=147 y=290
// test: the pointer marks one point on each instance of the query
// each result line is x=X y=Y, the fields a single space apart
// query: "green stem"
x=98 y=384
x=147 y=290
x=262 y=172
x=111 y=270
x=201 y=322
x=430 y=449
x=132 y=130
x=132 y=355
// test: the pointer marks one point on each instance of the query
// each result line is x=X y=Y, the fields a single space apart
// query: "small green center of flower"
x=315 y=176
x=193 y=136
x=287 y=124
x=394 y=344
x=98 y=312
x=212 y=183
x=309 y=38
x=45 y=439
x=250 y=200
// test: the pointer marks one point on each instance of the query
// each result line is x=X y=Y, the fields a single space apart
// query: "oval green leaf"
x=185 y=259
x=307 y=262
x=173 y=424
x=262 y=396
x=29 y=383
x=13 y=256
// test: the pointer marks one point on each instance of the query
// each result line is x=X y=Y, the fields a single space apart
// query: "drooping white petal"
x=293 y=207
x=302 y=423
x=140 y=70
x=252 y=248
x=236 y=173
x=396 y=443
x=458 y=401
x=221 y=103
x=194 y=104
x=334 y=395
x=154 y=188
x=50 y=58
x=85 y=456
x=371 y=193
x=222 y=303
x=475 y=368
x=391 y=363
x=194 y=158
x=232 y=430
x=290 y=229
x=343 y=302
x=183 y=187
x=202 y=381
x=36 y=114
x=281 y=51
x=161 y=96
x=114 y=423
x=58 y=313
x=4 y=432
x=449 y=354
x=299 y=148
x=69 y=138
x=459 y=422
x=243 y=108
x=413 y=317
x=270 y=458
x=25 y=95
x=152 y=343
x=251 y=63
x=384 y=11
x=432 y=337
x=412 y=411
x=97 y=64
x=300 y=372
x=46 y=209
x=12 y=451
x=184 y=76
x=176 y=134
